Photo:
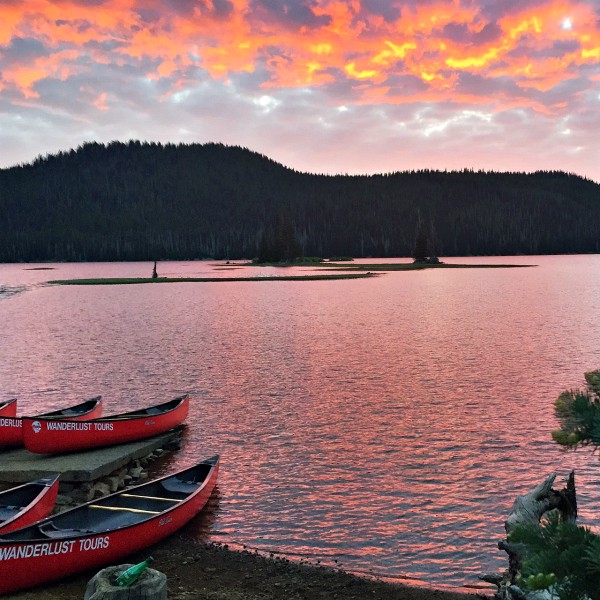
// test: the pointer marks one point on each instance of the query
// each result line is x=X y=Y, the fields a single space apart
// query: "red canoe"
x=51 y=436
x=25 y=504
x=104 y=531
x=11 y=427
x=8 y=408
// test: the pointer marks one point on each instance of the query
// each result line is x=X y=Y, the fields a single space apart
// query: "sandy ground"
x=203 y=571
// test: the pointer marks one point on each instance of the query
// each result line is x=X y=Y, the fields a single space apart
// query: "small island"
x=351 y=271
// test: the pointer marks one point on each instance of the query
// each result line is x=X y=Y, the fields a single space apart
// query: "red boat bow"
x=104 y=531
x=8 y=408
x=27 y=503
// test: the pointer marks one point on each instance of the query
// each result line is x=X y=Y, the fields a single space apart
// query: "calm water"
x=384 y=425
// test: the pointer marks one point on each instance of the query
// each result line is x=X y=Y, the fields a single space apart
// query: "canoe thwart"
x=125 y=509
x=175 y=500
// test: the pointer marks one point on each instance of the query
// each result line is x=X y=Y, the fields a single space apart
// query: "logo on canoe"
x=36 y=426
x=149 y=422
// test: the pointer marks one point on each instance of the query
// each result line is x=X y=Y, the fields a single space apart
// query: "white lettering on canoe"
x=10 y=422
x=103 y=426
x=93 y=543
x=149 y=422
x=53 y=548
x=68 y=426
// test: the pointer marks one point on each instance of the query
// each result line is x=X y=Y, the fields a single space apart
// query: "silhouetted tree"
x=421 y=251
x=280 y=243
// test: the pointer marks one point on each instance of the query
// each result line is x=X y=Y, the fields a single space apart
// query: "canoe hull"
x=53 y=436
x=8 y=408
x=38 y=508
x=11 y=427
x=32 y=563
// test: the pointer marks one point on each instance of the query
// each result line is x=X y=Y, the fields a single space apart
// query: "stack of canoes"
x=36 y=548
x=11 y=426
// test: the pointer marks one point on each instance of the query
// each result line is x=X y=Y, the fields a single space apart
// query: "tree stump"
x=152 y=585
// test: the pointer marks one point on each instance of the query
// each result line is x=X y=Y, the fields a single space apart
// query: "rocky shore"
x=201 y=571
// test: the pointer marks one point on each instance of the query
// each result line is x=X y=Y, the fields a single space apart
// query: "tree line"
x=148 y=201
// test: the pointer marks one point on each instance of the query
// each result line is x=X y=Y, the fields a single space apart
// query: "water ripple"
x=386 y=424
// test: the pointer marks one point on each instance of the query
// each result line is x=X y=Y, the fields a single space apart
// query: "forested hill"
x=139 y=201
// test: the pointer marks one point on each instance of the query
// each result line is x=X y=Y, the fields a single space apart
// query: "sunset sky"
x=326 y=86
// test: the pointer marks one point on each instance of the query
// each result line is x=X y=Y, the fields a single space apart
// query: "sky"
x=322 y=86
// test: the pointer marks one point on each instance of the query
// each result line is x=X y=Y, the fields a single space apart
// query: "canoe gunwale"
x=72 y=412
x=45 y=499
x=50 y=532
x=128 y=416
x=11 y=405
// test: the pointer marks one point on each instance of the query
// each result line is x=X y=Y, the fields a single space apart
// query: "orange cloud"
x=340 y=41
x=100 y=101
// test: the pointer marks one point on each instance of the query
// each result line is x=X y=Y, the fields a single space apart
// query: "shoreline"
x=357 y=271
x=198 y=570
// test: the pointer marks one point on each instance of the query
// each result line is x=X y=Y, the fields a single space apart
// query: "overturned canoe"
x=103 y=531
x=11 y=427
x=52 y=436
x=25 y=504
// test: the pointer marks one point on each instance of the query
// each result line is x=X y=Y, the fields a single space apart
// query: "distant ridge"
x=147 y=201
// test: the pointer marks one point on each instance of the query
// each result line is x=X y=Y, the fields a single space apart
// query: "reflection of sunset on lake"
x=386 y=423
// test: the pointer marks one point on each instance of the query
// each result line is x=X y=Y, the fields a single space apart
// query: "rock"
x=99 y=490
x=63 y=500
x=152 y=585
x=136 y=472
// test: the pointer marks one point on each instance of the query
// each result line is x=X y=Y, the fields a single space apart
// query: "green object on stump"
x=131 y=575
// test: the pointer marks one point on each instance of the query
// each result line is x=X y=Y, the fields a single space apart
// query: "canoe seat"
x=52 y=531
x=183 y=487
x=9 y=511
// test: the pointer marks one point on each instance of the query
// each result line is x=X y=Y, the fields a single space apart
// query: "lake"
x=384 y=425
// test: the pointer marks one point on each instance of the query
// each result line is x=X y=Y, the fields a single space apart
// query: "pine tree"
x=559 y=555
x=280 y=243
x=421 y=251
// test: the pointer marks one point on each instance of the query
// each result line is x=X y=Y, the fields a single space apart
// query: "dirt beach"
x=207 y=571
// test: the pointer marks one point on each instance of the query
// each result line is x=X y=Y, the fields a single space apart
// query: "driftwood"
x=529 y=510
